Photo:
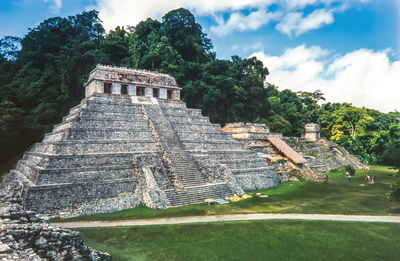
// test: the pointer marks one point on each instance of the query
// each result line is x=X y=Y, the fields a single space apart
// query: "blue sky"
x=349 y=49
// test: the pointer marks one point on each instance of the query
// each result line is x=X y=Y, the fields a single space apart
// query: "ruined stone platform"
x=311 y=155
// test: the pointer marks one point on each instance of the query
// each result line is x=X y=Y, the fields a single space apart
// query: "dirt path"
x=221 y=218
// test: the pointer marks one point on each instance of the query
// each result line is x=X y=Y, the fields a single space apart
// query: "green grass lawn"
x=337 y=196
x=245 y=240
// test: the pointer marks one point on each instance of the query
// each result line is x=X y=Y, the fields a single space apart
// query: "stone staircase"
x=197 y=194
x=200 y=137
x=195 y=187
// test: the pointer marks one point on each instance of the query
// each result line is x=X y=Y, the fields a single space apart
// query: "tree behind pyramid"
x=132 y=141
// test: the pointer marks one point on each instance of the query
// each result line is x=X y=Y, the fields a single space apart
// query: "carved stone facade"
x=131 y=82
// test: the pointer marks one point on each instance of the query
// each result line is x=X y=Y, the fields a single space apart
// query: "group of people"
x=369 y=179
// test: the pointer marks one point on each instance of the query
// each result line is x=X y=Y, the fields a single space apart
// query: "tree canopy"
x=42 y=76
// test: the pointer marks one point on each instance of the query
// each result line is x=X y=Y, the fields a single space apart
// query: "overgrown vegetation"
x=350 y=170
x=297 y=174
x=42 y=76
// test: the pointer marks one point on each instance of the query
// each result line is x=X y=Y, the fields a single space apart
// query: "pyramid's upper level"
x=132 y=82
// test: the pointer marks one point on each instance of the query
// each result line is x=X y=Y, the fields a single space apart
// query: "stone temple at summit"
x=132 y=141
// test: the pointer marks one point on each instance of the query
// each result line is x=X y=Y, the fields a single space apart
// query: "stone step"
x=98 y=134
x=170 y=111
x=72 y=175
x=198 y=194
x=212 y=145
x=84 y=160
x=81 y=147
x=110 y=98
x=253 y=171
x=28 y=170
x=20 y=176
x=71 y=117
x=167 y=103
x=90 y=124
x=203 y=127
x=188 y=120
x=190 y=136
x=113 y=107
x=244 y=164
x=226 y=155
x=76 y=109
x=116 y=114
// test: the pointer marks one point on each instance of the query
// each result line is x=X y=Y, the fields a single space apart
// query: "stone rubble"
x=25 y=235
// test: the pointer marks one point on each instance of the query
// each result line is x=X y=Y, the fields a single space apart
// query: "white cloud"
x=128 y=12
x=55 y=5
x=240 y=22
x=295 y=22
x=363 y=77
x=115 y=13
x=213 y=6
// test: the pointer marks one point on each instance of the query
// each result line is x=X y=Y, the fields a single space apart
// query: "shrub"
x=297 y=174
x=394 y=193
x=350 y=170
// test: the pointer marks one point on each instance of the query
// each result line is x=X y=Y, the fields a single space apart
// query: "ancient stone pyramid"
x=117 y=151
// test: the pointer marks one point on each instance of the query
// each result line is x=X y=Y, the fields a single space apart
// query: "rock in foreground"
x=26 y=236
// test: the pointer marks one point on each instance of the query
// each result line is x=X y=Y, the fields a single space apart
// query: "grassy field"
x=337 y=196
x=255 y=240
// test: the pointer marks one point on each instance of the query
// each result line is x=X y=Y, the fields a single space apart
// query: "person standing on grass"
x=373 y=180
x=349 y=176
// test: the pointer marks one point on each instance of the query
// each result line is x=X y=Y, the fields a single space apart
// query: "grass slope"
x=337 y=196
x=255 y=240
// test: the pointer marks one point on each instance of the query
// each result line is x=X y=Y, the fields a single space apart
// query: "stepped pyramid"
x=131 y=141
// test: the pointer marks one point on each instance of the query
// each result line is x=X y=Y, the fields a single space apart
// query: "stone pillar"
x=116 y=89
x=148 y=92
x=163 y=93
x=176 y=95
x=312 y=132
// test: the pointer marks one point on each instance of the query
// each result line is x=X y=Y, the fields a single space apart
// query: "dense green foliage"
x=249 y=240
x=42 y=76
x=350 y=170
x=394 y=193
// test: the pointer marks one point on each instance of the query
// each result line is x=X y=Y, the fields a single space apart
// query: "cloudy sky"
x=349 y=49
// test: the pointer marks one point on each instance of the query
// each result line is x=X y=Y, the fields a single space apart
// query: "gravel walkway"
x=224 y=218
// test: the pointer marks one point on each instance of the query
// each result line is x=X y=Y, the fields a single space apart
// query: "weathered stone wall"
x=50 y=198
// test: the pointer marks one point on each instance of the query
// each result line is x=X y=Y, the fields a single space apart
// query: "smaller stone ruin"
x=312 y=131
x=311 y=155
